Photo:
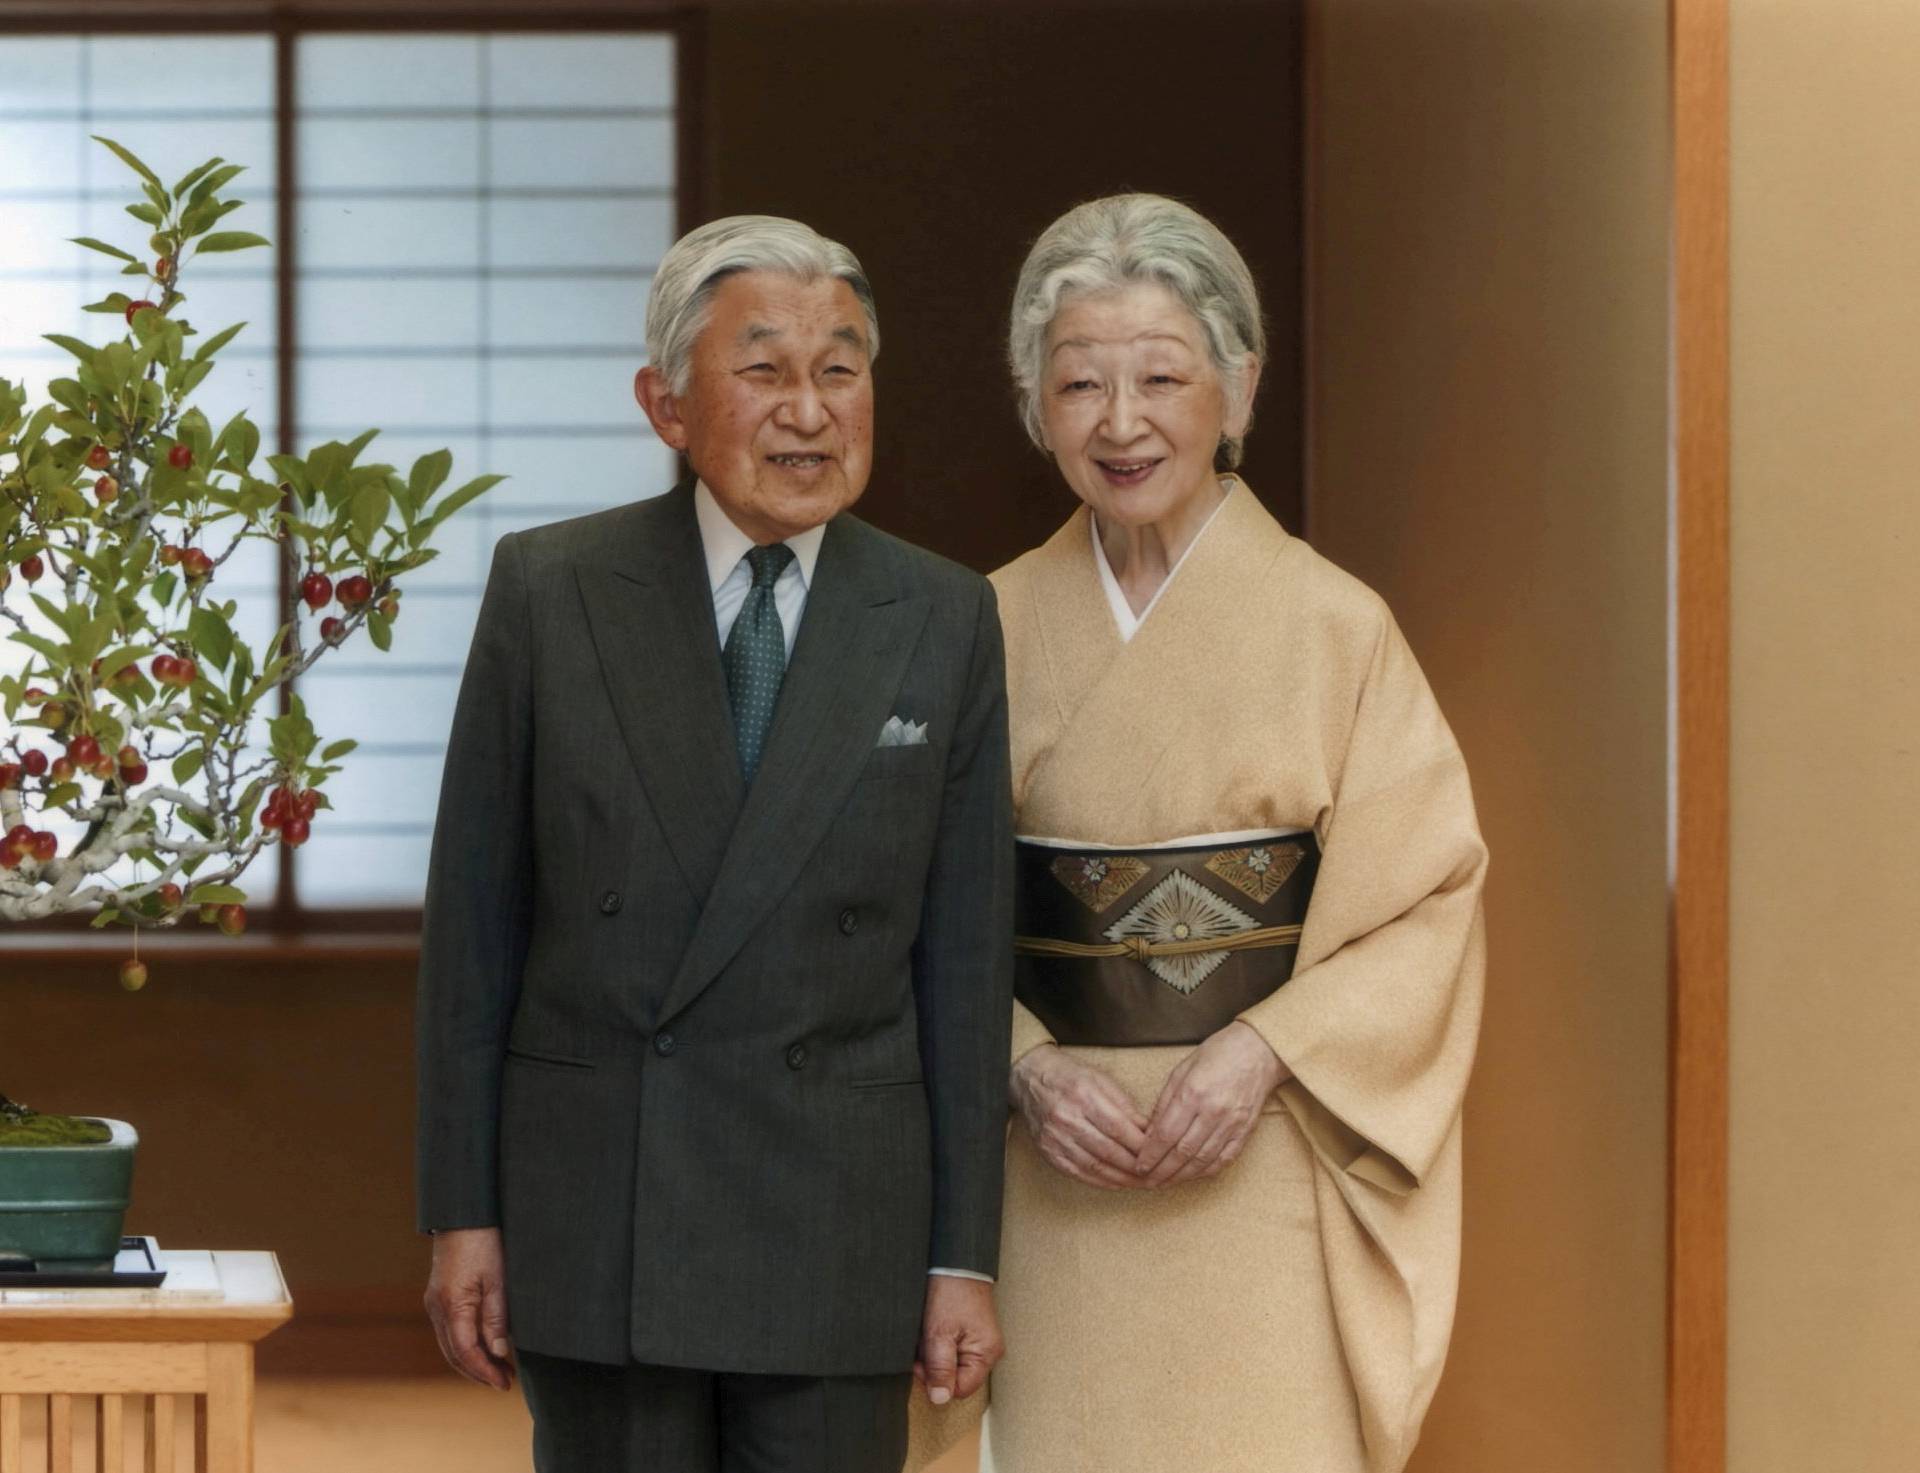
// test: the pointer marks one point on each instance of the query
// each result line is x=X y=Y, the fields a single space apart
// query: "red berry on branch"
x=104 y=768
x=233 y=919
x=163 y=269
x=316 y=589
x=180 y=457
x=170 y=895
x=185 y=673
x=35 y=762
x=195 y=562
x=31 y=567
x=129 y=756
x=133 y=773
x=169 y=554
x=133 y=307
x=54 y=714
x=45 y=846
x=307 y=804
x=84 y=750
x=355 y=591
x=99 y=458
x=389 y=606
x=133 y=974
x=163 y=668
x=331 y=629
x=61 y=771
x=9 y=775
x=105 y=489
x=295 y=831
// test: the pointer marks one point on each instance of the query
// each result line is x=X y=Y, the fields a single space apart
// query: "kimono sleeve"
x=1379 y=1021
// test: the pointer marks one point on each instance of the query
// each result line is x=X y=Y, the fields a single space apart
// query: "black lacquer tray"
x=136 y=1266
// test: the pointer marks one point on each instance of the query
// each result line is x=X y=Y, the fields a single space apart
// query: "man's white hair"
x=680 y=300
x=1110 y=243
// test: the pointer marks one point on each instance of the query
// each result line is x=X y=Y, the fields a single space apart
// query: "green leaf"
x=163 y=585
x=60 y=794
x=381 y=630
x=101 y=246
x=111 y=665
x=193 y=176
x=358 y=443
x=429 y=471
x=45 y=648
x=336 y=750
x=188 y=764
x=126 y=157
x=93 y=638
x=145 y=214
x=230 y=240
x=368 y=511
x=216 y=181
x=216 y=895
x=80 y=350
x=68 y=393
x=211 y=637
x=215 y=343
x=478 y=486
x=108 y=915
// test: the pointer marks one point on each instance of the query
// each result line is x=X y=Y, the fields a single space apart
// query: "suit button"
x=797 y=1056
x=849 y=922
x=610 y=903
x=663 y=1044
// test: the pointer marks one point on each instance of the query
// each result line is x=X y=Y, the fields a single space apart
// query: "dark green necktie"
x=756 y=656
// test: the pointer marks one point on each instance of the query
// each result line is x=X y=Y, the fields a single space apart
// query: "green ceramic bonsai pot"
x=62 y=1205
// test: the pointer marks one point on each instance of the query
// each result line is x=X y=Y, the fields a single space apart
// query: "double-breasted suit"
x=725 y=1064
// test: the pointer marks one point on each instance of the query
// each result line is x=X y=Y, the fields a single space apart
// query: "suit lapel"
x=855 y=638
x=651 y=613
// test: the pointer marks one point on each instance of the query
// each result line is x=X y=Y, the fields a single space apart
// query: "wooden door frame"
x=1698 y=703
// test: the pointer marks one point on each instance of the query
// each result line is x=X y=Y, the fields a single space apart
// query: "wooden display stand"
x=193 y=1336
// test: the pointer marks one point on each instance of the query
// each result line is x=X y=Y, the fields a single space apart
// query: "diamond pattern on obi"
x=1259 y=870
x=1096 y=881
x=1181 y=909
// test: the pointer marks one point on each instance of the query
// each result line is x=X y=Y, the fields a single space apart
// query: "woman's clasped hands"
x=1087 y=1127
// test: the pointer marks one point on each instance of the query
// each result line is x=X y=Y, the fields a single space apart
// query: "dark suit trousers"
x=591 y=1418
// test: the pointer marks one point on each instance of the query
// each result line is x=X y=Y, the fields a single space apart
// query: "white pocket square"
x=898 y=733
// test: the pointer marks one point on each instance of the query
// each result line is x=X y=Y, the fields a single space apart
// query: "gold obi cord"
x=1156 y=946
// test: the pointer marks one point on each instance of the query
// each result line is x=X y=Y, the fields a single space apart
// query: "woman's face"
x=1131 y=404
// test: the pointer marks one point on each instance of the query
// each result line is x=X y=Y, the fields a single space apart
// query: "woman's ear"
x=1241 y=388
x=662 y=406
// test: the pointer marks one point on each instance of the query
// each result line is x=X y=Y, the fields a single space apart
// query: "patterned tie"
x=756 y=656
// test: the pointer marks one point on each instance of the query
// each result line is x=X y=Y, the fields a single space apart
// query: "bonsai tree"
x=176 y=749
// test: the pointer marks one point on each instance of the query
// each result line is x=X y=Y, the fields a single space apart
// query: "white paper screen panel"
x=479 y=219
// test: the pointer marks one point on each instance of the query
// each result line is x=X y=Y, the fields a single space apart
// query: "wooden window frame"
x=284 y=924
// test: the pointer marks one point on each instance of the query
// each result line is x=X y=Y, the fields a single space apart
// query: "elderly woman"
x=1250 y=946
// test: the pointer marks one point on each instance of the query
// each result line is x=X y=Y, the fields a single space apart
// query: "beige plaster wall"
x=1487 y=351
x=1825 y=1242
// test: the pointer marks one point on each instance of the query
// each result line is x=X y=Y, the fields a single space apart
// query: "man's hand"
x=1080 y=1119
x=959 y=1338
x=1209 y=1106
x=467 y=1302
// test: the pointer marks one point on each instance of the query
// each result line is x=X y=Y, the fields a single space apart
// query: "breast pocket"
x=899 y=761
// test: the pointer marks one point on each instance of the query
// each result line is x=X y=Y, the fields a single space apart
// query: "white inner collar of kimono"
x=1123 y=615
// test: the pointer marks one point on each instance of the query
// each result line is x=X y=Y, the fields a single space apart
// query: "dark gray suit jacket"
x=727 y=1067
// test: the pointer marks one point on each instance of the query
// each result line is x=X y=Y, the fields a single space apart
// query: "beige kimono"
x=1290 y=1315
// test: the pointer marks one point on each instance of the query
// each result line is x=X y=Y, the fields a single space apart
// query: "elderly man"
x=715 y=977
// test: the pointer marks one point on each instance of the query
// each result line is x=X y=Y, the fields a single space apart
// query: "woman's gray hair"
x=1110 y=243
x=680 y=300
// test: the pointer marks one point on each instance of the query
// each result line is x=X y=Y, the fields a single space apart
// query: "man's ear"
x=662 y=406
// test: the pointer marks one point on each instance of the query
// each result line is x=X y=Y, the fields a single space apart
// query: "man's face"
x=777 y=417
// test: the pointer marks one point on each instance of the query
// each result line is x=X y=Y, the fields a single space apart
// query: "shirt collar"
x=725 y=544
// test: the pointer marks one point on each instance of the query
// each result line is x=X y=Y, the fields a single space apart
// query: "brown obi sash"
x=1156 y=946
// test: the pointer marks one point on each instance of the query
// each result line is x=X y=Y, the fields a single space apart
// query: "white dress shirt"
x=731 y=579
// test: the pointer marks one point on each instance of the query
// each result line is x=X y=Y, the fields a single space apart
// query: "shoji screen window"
x=56 y=92
x=479 y=216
